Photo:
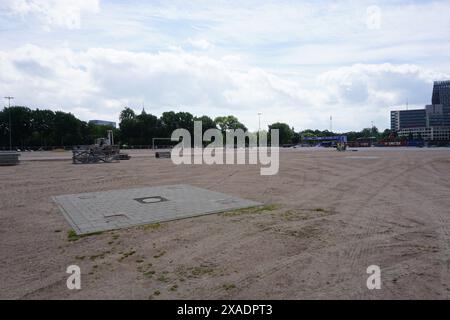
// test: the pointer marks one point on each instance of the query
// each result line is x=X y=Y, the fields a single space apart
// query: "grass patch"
x=126 y=255
x=252 y=210
x=73 y=236
x=305 y=214
x=159 y=254
x=163 y=278
x=152 y=226
x=99 y=256
x=228 y=286
x=306 y=232
x=173 y=288
x=202 y=270
x=149 y=273
x=146 y=270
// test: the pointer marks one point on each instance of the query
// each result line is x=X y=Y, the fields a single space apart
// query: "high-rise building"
x=431 y=123
x=441 y=93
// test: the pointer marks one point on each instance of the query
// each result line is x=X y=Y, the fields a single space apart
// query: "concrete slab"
x=101 y=211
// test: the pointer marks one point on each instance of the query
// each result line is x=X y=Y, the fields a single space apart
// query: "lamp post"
x=259 y=125
x=10 y=127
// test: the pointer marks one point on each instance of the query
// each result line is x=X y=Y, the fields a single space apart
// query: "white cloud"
x=382 y=84
x=54 y=13
x=99 y=82
x=201 y=44
x=97 y=77
x=297 y=62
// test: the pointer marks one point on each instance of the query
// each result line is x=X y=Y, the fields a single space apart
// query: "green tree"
x=127 y=114
x=42 y=127
x=148 y=127
x=128 y=127
x=285 y=132
x=229 y=123
x=21 y=125
x=207 y=123
x=386 y=134
x=170 y=121
x=68 y=130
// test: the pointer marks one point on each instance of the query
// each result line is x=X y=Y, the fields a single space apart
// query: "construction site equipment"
x=95 y=153
x=9 y=158
x=102 y=151
x=124 y=156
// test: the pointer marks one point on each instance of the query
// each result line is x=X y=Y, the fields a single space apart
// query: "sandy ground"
x=329 y=216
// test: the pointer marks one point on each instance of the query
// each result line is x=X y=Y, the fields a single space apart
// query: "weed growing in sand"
x=252 y=210
x=202 y=270
x=153 y=226
x=155 y=293
x=163 y=278
x=228 y=286
x=159 y=254
x=99 y=256
x=149 y=273
x=73 y=236
x=126 y=255
x=146 y=270
x=196 y=272
x=173 y=288
x=305 y=214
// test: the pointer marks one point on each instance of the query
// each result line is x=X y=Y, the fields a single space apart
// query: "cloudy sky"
x=298 y=62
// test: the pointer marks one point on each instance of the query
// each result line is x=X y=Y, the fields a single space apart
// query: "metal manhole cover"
x=149 y=200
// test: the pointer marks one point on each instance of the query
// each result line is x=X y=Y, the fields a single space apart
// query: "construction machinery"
x=103 y=150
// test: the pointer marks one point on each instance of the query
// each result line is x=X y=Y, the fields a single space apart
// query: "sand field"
x=327 y=216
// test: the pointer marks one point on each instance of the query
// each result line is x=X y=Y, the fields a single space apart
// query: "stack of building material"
x=124 y=156
x=9 y=158
x=162 y=154
x=95 y=154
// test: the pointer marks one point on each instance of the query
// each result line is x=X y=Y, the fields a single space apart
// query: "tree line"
x=42 y=128
x=45 y=129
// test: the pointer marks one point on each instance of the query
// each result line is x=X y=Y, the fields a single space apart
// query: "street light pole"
x=10 y=127
x=259 y=126
x=259 y=123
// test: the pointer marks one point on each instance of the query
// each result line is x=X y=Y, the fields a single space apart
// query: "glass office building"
x=430 y=123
